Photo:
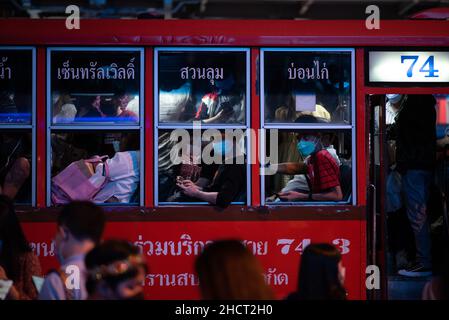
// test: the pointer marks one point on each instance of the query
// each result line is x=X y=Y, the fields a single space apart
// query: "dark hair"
x=83 y=219
x=14 y=241
x=132 y=141
x=109 y=108
x=85 y=101
x=106 y=253
x=227 y=270
x=318 y=274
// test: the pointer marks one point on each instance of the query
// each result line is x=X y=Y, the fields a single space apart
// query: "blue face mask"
x=222 y=148
x=306 y=148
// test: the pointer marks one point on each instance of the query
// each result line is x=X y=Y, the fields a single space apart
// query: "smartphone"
x=5 y=286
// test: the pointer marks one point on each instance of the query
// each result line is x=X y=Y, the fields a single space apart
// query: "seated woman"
x=228 y=183
x=321 y=171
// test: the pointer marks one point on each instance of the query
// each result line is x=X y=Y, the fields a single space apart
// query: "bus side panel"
x=171 y=247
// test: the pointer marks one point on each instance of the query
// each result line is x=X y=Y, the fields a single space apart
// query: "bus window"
x=202 y=94
x=16 y=86
x=316 y=163
x=95 y=86
x=307 y=82
x=205 y=86
x=16 y=165
x=94 y=103
x=17 y=129
x=308 y=116
x=192 y=171
x=122 y=173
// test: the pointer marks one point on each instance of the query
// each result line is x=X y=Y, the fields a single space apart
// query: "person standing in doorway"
x=415 y=158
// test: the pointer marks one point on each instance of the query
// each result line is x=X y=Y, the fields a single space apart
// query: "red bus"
x=280 y=71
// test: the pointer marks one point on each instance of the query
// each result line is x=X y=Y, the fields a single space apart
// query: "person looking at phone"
x=115 y=271
x=320 y=168
x=228 y=184
x=79 y=228
x=17 y=261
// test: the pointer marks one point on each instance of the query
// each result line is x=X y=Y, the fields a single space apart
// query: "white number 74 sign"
x=410 y=66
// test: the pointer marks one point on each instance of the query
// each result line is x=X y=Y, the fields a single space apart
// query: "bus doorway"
x=408 y=179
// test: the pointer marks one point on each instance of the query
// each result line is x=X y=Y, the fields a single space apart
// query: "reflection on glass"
x=118 y=183
x=95 y=86
x=15 y=165
x=16 y=86
x=95 y=108
x=317 y=162
x=202 y=86
x=215 y=164
x=311 y=84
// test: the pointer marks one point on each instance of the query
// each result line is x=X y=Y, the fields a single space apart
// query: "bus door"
x=392 y=242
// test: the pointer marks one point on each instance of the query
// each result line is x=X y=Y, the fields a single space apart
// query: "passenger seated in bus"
x=89 y=109
x=121 y=101
x=321 y=171
x=15 y=166
x=64 y=111
x=299 y=181
x=223 y=104
x=228 y=183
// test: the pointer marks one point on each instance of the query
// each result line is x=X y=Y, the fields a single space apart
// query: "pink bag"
x=73 y=183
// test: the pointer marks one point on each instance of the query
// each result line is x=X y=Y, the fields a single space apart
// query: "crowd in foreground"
x=115 y=269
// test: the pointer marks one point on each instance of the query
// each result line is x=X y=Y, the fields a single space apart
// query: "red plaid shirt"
x=323 y=172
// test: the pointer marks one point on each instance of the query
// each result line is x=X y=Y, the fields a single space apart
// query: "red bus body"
x=172 y=237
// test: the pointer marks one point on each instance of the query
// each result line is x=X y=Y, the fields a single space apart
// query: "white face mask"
x=394 y=98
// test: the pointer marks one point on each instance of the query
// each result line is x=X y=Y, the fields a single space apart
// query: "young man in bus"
x=321 y=171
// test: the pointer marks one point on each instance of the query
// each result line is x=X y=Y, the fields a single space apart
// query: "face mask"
x=222 y=148
x=116 y=145
x=394 y=98
x=306 y=148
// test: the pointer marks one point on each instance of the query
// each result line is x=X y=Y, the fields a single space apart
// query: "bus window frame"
x=352 y=126
x=32 y=125
x=191 y=125
x=138 y=127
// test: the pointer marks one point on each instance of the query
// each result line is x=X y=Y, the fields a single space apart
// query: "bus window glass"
x=95 y=86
